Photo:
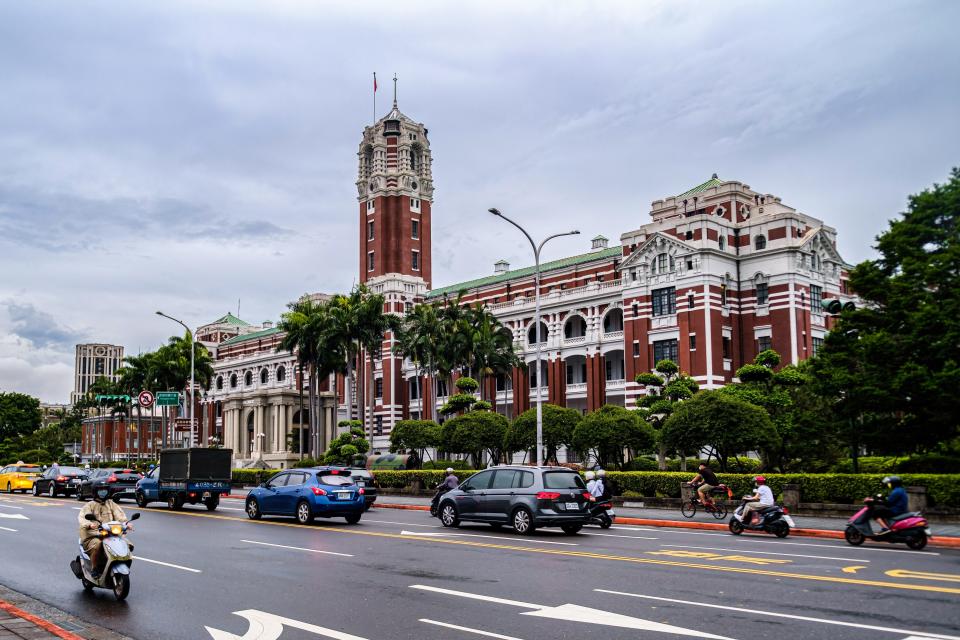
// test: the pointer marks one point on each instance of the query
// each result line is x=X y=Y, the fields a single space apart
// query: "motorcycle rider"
x=709 y=482
x=762 y=498
x=104 y=510
x=894 y=505
x=591 y=478
x=449 y=483
x=598 y=486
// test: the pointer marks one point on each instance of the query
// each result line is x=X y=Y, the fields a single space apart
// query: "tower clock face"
x=373 y=186
x=415 y=185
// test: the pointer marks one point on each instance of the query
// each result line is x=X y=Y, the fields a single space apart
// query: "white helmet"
x=602 y=473
x=590 y=475
x=449 y=469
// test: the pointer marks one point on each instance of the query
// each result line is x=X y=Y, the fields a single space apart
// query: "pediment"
x=653 y=246
x=819 y=243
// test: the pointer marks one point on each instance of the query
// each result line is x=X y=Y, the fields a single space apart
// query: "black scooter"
x=772 y=519
x=440 y=490
x=602 y=514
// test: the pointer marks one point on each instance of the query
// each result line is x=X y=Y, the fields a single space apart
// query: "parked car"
x=325 y=492
x=59 y=481
x=19 y=477
x=525 y=498
x=365 y=479
x=122 y=483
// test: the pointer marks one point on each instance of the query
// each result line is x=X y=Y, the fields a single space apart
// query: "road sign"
x=168 y=398
x=145 y=399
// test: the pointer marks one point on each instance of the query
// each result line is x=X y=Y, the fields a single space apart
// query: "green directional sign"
x=168 y=398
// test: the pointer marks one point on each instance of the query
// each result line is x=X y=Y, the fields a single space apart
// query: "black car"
x=57 y=481
x=522 y=497
x=364 y=479
x=122 y=483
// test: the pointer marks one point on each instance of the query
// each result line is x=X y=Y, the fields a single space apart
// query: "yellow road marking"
x=853 y=569
x=583 y=554
x=678 y=553
x=922 y=575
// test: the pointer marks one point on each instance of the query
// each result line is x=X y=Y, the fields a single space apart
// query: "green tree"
x=19 y=414
x=418 y=436
x=416 y=340
x=558 y=426
x=665 y=389
x=720 y=422
x=345 y=448
x=475 y=433
x=609 y=432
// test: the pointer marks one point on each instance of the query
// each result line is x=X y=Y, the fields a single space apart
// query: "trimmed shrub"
x=250 y=476
x=443 y=465
x=402 y=479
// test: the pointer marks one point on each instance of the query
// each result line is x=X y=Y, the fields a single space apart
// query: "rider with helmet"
x=895 y=503
x=104 y=510
x=449 y=483
x=761 y=499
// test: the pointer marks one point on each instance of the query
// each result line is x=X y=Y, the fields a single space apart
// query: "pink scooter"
x=910 y=528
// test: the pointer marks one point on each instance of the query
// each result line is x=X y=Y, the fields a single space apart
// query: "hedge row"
x=942 y=490
x=253 y=476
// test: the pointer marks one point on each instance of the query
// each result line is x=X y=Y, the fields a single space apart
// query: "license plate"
x=206 y=494
x=571 y=506
x=343 y=495
x=360 y=483
x=74 y=482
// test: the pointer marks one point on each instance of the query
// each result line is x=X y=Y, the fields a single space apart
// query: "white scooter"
x=116 y=571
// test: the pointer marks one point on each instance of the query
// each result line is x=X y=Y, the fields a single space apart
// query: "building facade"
x=94 y=361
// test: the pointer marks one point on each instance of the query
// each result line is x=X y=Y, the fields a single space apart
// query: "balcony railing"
x=618 y=383
x=575 y=340
x=576 y=387
x=613 y=335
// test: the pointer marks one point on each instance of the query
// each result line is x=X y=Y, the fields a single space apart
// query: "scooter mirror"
x=134 y=516
x=91 y=517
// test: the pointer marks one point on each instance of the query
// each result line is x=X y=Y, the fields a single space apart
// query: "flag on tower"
x=374 y=81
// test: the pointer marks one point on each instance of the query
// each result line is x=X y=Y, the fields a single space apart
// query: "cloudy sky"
x=184 y=155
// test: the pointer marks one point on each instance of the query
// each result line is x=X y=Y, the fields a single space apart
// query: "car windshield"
x=362 y=475
x=335 y=481
x=25 y=469
x=70 y=471
x=562 y=480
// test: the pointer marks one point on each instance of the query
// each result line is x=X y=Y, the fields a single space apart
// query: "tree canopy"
x=609 y=431
x=558 y=426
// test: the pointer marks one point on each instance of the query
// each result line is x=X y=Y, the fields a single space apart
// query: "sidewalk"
x=23 y=618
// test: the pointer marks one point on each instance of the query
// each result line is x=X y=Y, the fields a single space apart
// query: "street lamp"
x=192 y=349
x=260 y=437
x=536 y=318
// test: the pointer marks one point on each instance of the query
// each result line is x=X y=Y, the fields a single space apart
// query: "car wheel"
x=9 y=488
x=253 y=509
x=571 y=529
x=918 y=541
x=736 y=527
x=36 y=489
x=304 y=512
x=121 y=586
x=141 y=499
x=212 y=503
x=175 y=502
x=52 y=490
x=353 y=518
x=448 y=515
x=523 y=521
x=853 y=536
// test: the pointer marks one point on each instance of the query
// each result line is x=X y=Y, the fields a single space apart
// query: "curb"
x=942 y=542
x=46 y=625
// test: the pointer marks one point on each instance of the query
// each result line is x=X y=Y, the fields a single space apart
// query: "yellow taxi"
x=19 y=477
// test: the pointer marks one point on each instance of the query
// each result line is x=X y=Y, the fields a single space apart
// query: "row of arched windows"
x=575 y=326
x=234 y=380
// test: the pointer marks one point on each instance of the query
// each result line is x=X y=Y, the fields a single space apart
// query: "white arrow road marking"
x=283 y=546
x=919 y=634
x=266 y=626
x=421 y=534
x=487 y=634
x=765 y=553
x=167 y=564
x=9 y=506
x=576 y=613
x=14 y=516
x=8 y=529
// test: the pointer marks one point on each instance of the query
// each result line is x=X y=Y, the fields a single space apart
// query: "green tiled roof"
x=714 y=181
x=563 y=263
x=263 y=333
x=232 y=320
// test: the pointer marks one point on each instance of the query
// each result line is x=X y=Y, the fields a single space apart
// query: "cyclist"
x=705 y=481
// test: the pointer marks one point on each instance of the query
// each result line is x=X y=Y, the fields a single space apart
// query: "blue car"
x=322 y=492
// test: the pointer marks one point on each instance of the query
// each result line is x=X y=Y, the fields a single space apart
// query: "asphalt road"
x=398 y=574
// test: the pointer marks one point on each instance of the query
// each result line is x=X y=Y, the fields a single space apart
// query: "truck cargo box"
x=198 y=463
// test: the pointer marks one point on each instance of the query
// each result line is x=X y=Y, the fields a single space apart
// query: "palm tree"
x=134 y=377
x=302 y=326
x=491 y=345
x=417 y=341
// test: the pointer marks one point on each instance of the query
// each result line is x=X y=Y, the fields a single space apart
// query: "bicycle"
x=716 y=508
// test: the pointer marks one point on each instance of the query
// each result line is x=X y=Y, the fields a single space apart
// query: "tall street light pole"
x=536 y=318
x=192 y=350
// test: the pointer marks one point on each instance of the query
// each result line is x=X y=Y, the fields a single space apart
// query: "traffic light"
x=113 y=398
x=833 y=306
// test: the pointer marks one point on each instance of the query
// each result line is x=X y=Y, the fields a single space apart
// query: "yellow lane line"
x=922 y=575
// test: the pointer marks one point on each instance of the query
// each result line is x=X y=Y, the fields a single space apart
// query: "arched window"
x=219 y=383
x=722 y=242
x=248 y=378
x=575 y=327
x=663 y=263
x=233 y=381
x=264 y=375
x=281 y=374
x=759 y=243
x=613 y=321
x=532 y=333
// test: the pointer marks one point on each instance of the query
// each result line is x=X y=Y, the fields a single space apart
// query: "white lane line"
x=283 y=546
x=476 y=535
x=168 y=564
x=77 y=508
x=855 y=625
x=405 y=524
x=766 y=553
x=801 y=544
x=478 y=632
x=13 y=516
x=10 y=506
x=477 y=596
x=613 y=535
x=8 y=529
x=231 y=509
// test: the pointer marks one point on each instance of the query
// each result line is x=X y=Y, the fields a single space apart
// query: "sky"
x=190 y=156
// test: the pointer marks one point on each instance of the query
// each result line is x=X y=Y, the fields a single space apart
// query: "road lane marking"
x=405 y=524
x=922 y=575
x=14 y=516
x=488 y=634
x=766 y=553
x=581 y=554
x=9 y=506
x=853 y=569
x=168 y=564
x=283 y=546
x=758 y=540
x=613 y=535
x=479 y=535
x=702 y=555
x=855 y=625
x=8 y=529
x=231 y=509
x=267 y=626
x=576 y=613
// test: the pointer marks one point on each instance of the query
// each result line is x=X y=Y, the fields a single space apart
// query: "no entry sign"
x=145 y=399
